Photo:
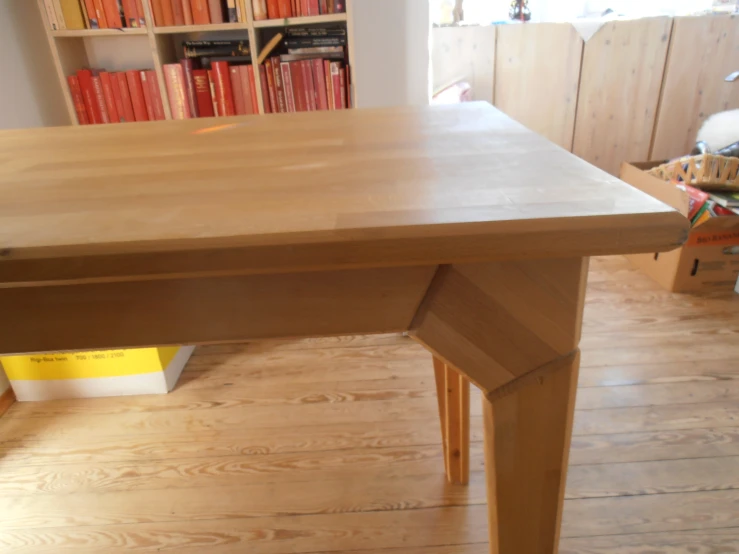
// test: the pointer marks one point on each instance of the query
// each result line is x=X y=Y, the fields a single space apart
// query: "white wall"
x=390 y=52
x=30 y=94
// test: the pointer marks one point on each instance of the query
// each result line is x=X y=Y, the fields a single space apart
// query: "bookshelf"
x=151 y=47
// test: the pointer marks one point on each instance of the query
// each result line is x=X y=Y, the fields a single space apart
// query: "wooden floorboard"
x=333 y=446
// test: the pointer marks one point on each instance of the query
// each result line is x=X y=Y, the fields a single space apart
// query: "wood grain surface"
x=332 y=446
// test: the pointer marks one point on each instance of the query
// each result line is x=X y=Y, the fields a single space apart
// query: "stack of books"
x=103 y=97
x=313 y=75
x=215 y=78
x=280 y=9
x=197 y=12
x=94 y=14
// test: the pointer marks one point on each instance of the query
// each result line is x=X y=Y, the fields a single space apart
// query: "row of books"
x=305 y=85
x=197 y=12
x=280 y=9
x=94 y=14
x=124 y=96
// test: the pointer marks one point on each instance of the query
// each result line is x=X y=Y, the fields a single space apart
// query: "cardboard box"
x=96 y=374
x=709 y=260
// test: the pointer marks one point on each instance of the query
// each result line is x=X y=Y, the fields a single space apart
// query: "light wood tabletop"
x=454 y=224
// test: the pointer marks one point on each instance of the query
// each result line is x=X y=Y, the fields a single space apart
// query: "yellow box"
x=96 y=373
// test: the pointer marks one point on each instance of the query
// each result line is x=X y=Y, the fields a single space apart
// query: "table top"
x=312 y=190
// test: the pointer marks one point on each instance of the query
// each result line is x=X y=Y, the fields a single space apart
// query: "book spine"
x=241 y=10
x=236 y=90
x=279 y=87
x=231 y=11
x=174 y=79
x=112 y=14
x=246 y=89
x=216 y=11
x=187 y=11
x=100 y=13
x=91 y=15
x=187 y=70
x=179 y=15
x=273 y=9
x=100 y=98
x=140 y=12
x=224 y=94
x=148 y=100
x=158 y=12
x=349 y=101
x=77 y=100
x=156 y=95
x=212 y=86
x=284 y=8
x=296 y=77
x=59 y=14
x=260 y=13
x=130 y=13
x=117 y=98
x=336 y=85
x=200 y=14
x=342 y=86
x=304 y=7
x=323 y=6
x=319 y=79
x=167 y=13
x=294 y=7
x=51 y=15
x=306 y=72
x=265 y=89
x=109 y=97
x=202 y=93
x=329 y=89
x=271 y=85
x=287 y=82
x=313 y=8
x=122 y=82
x=72 y=14
x=330 y=6
x=137 y=95
x=84 y=76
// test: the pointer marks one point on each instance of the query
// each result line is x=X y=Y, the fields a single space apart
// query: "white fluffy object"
x=720 y=130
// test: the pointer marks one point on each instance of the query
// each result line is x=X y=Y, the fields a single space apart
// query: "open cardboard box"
x=709 y=260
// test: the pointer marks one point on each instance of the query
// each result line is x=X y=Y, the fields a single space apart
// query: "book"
x=212 y=85
x=320 y=82
x=219 y=48
x=342 y=87
x=323 y=6
x=284 y=8
x=339 y=6
x=156 y=95
x=310 y=98
x=315 y=32
x=158 y=12
x=253 y=89
x=113 y=14
x=279 y=87
x=238 y=93
x=200 y=13
x=349 y=102
x=313 y=8
x=97 y=86
x=224 y=94
x=51 y=14
x=318 y=50
x=259 y=7
x=202 y=93
x=336 y=85
x=137 y=95
x=187 y=71
x=141 y=13
x=273 y=9
x=89 y=6
x=329 y=83
x=300 y=57
x=77 y=100
x=168 y=13
x=265 y=89
x=117 y=98
x=58 y=14
x=216 y=11
x=72 y=14
x=130 y=14
x=110 y=104
x=231 y=12
x=84 y=77
x=178 y=14
x=267 y=48
x=243 y=71
x=100 y=13
x=304 y=7
x=174 y=79
x=311 y=42
x=295 y=6
x=148 y=100
x=287 y=81
x=726 y=199
x=187 y=11
x=128 y=114
x=271 y=85
x=296 y=78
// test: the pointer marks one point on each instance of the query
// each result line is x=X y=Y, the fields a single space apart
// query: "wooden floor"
x=333 y=446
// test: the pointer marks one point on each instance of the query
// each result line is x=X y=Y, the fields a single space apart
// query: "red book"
x=336 y=85
x=238 y=93
x=137 y=95
x=186 y=11
x=156 y=95
x=265 y=89
x=304 y=9
x=117 y=99
x=200 y=12
x=279 y=87
x=202 y=93
x=100 y=13
x=224 y=94
x=112 y=14
x=216 y=11
x=179 y=15
x=284 y=8
x=287 y=81
x=245 y=88
x=97 y=86
x=271 y=86
x=212 y=86
x=342 y=72
x=187 y=69
x=319 y=80
x=329 y=89
x=110 y=103
x=84 y=76
x=307 y=74
x=294 y=6
x=312 y=85
x=79 y=102
x=158 y=12
x=130 y=14
x=253 y=89
x=175 y=81
x=296 y=74
x=148 y=100
x=273 y=9
x=91 y=14
x=140 y=11
x=313 y=8
x=323 y=6
x=119 y=79
x=168 y=13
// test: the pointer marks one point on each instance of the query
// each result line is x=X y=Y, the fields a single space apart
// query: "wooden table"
x=454 y=223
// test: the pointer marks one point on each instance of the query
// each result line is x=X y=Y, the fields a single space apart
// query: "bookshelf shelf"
x=99 y=33
x=333 y=18
x=201 y=28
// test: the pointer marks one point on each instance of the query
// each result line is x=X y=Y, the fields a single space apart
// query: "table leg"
x=453 y=392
